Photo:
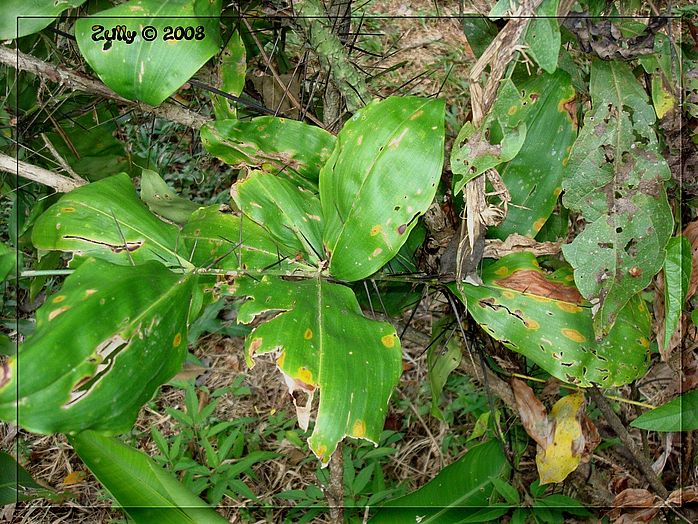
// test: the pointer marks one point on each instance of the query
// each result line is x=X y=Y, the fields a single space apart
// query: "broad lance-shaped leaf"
x=680 y=414
x=543 y=36
x=677 y=277
x=150 y=71
x=164 y=201
x=292 y=215
x=292 y=149
x=615 y=179
x=381 y=176
x=146 y=491
x=35 y=15
x=323 y=341
x=473 y=152
x=534 y=177
x=225 y=240
x=232 y=68
x=102 y=345
x=544 y=318
x=443 y=356
x=105 y=219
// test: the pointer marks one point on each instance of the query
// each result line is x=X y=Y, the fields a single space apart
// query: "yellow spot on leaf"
x=90 y=292
x=508 y=294
x=359 y=428
x=321 y=452
x=375 y=230
x=305 y=375
x=388 y=341
x=280 y=360
x=417 y=114
x=53 y=314
x=67 y=209
x=360 y=140
x=538 y=224
x=569 y=308
x=58 y=299
x=644 y=342
x=308 y=334
x=376 y=252
x=177 y=340
x=574 y=335
x=557 y=191
x=502 y=271
x=513 y=109
x=531 y=324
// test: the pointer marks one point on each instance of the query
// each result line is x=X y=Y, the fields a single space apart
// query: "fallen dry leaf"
x=633 y=498
x=683 y=496
x=691 y=233
x=74 y=477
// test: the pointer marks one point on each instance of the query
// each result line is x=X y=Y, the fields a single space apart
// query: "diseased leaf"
x=121 y=331
x=105 y=219
x=146 y=491
x=381 y=176
x=323 y=341
x=232 y=69
x=35 y=15
x=164 y=201
x=292 y=215
x=474 y=152
x=150 y=71
x=289 y=148
x=443 y=356
x=544 y=318
x=543 y=36
x=677 y=276
x=534 y=176
x=680 y=414
x=455 y=494
x=616 y=180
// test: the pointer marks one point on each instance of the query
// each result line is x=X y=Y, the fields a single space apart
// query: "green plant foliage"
x=225 y=240
x=232 y=69
x=677 y=276
x=480 y=32
x=16 y=484
x=473 y=153
x=381 y=176
x=143 y=489
x=543 y=36
x=151 y=71
x=291 y=214
x=44 y=11
x=615 y=179
x=455 y=494
x=8 y=261
x=324 y=342
x=443 y=356
x=544 y=318
x=534 y=176
x=136 y=337
x=290 y=148
x=680 y=414
x=164 y=201
x=105 y=219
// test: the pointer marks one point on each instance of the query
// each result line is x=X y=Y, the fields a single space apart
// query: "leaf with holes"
x=534 y=177
x=544 y=318
x=615 y=179
x=126 y=339
x=150 y=70
x=225 y=240
x=291 y=149
x=232 y=69
x=543 y=36
x=30 y=17
x=323 y=341
x=381 y=176
x=105 y=219
x=291 y=214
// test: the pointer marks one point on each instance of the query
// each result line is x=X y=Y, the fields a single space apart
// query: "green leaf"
x=534 y=176
x=162 y=200
x=677 y=276
x=232 y=68
x=507 y=491
x=16 y=484
x=36 y=15
x=292 y=215
x=291 y=149
x=150 y=71
x=473 y=152
x=381 y=176
x=143 y=489
x=615 y=179
x=479 y=32
x=544 y=318
x=543 y=36
x=105 y=219
x=8 y=261
x=680 y=414
x=443 y=356
x=457 y=492
x=125 y=339
x=218 y=238
x=324 y=342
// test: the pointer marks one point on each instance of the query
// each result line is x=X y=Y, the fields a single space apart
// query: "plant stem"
x=60 y=183
x=335 y=495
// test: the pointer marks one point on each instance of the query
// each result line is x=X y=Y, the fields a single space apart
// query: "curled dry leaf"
x=633 y=498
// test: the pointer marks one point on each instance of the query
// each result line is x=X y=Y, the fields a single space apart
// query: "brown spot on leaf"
x=401 y=229
x=177 y=340
x=58 y=299
x=569 y=106
x=255 y=345
x=308 y=334
x=53 y=314
x=535 y=283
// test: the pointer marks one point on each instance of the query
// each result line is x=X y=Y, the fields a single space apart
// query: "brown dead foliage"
x=534 y=282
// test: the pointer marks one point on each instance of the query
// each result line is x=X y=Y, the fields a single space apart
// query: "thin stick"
x=60 y=183
x=61 y=161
